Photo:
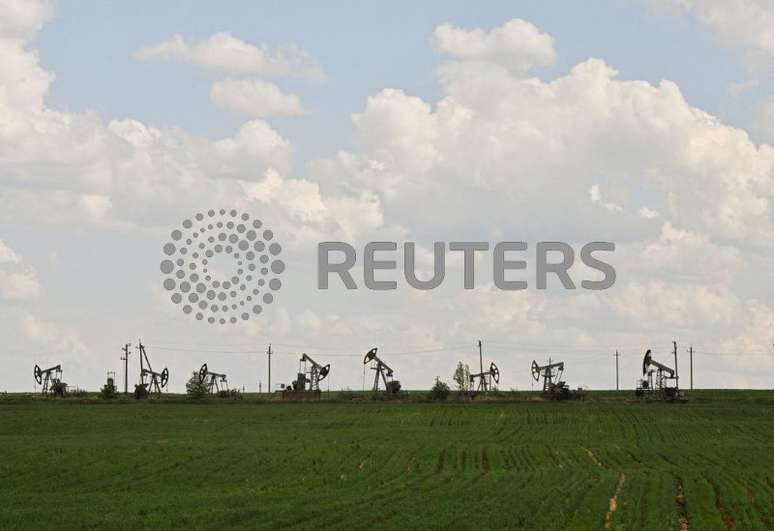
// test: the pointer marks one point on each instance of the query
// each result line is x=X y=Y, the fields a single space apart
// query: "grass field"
x=705 y=465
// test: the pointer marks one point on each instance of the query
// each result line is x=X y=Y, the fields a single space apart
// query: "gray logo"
x=222 y=266
x=346 y=256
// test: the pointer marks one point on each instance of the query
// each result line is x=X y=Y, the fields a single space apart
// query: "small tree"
x=108 y=391
x=440 y=390
x=196 y=388
x=462 y=377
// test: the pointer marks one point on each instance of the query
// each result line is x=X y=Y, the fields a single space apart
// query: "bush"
x=75 y=392
x=346 y=394
x=440 y=391
x=230 y=393
x=108 y=391
x=195 y=388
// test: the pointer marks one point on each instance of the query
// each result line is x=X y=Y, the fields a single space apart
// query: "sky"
x=647 y=123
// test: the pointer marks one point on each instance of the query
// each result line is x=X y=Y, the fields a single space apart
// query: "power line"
x=582 y=352
x=311 y=349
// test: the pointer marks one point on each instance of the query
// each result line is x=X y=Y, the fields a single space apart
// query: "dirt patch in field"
x=441 y=461
x=485 y=461
x=411 y=463
x=682 y=511
x=755 y=505
x=666 y=459
x=593 y=458
x=728 y=521
x=613 y=503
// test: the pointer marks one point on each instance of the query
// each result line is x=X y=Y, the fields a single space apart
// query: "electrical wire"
x=578 y=352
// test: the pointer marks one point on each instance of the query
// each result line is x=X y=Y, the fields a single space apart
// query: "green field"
x=705 y=465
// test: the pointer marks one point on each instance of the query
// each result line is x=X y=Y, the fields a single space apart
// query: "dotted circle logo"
x=202 y=288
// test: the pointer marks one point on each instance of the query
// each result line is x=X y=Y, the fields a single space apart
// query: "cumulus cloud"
x=528 y=148
x=516 y=45
x=22 y=19
x=313 y=216
x=71 y=168
x=17 y=282
x=682 y=255
x=765 y=120
x=15 y=286
x=7 y=255
x=741 y=87
x=254 y=97
x=222 y=52
x=595 y=194
x=743 y=23
x=658 y=306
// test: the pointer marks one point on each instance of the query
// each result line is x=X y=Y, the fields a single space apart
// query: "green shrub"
x=440 y=391
x=346 y=395
x=108 y=391
x=230 y=393
x=195 y=388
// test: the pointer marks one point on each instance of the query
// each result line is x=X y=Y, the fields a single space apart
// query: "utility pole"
x=481 y=364
x=269 y=353
x=690 y=351
x=616 y=369
x=480 y=357
x=125 y=359
x=677 y=373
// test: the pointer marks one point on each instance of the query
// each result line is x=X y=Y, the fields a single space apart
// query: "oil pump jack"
x=554 y=387
x=150 y=380
x=485 y=379
x=665 y=384
x=215 y=382
x=310 y=374
x=382 y=370
x=307 y=382
x=51 y=380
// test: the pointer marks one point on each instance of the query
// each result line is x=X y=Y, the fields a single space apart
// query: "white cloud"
x=399 y=131
x=528 y=148
x=744 y=23
x=739 y=88
x=765 y=120
x=254 y=97
x=225 y=53
x=17 y=282
x=680 y=255
x=657 y=306
x=22 y=19
x=7 y=255
x=516 y=45
x=754 y=337
x=64 y=168
x=647 y=213
x=596 y=197
x=315 y=217
x=17 y=286
x=47 y=334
